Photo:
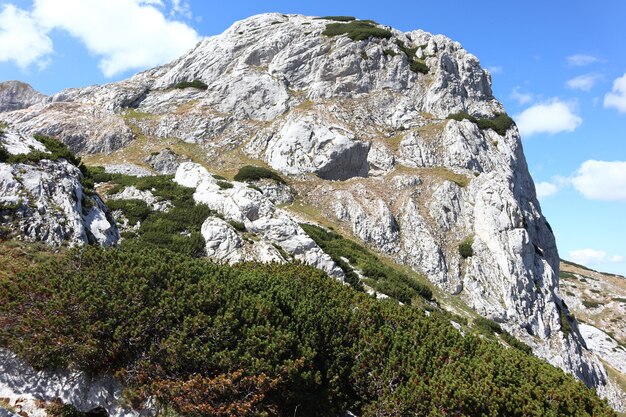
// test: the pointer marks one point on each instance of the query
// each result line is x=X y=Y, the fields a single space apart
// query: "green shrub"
x=591 y=304
x=203 y=339
x=566 y=275
x=357 y=30
x=3 y=129
x=4 y=154
x=239 y=226
x=253 y=173
x=224 y=185
x=337 y=18
x=415 y=64
x=486 y=326
x=219 y=177
x=565 y=324
x=134 y=210
x=501 y=123
x=98 y=174
x=465 y=248
x=389 y=52
x=381 y=277
x=513 y=342
x=191 y=84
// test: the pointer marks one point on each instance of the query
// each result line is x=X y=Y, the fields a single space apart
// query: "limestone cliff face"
x=366 y=141
x=15 y=95
x=45 y=200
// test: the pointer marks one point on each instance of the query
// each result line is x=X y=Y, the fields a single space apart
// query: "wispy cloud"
x=520 y=97
x=582 y=82
x=546 y=189
x=601 y=180
x=551 y=117
x=589 y=256
x=581 y=60
x=617 y=97
x=124 y=34
x=496 y=69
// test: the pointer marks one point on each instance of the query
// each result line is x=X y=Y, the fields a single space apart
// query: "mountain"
x=392 y=140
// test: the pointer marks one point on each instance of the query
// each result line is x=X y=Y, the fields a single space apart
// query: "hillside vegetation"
x=250 y=340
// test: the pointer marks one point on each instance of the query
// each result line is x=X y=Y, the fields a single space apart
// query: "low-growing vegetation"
x=591 y=303
x=337 y=18
x=377 y=275
x=501 y=123
x=254 y=173
x=203 y=339
x=200 y=85
x=357 y=30
x=178 y=229
x=465 y=248
x=224 y=185
x=415 y=64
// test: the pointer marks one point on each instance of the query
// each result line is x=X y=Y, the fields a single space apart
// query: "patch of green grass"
x=415 y=64
x=357 y=30
x=591 y=303
x=378 y=275
x=566 y=275
x=224 y=185
x=619 y=299
x=389 y=52
x=200 y=85
x=501 y=123
x=465 y=248
x=254 y=173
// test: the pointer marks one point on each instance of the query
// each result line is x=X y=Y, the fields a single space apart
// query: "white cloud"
x=521 y=98
x=496 y=69
x=546 y=189
x=582 y=82
x=617 y=97
x=591 y=256
x=552 y=117
x=125 y=34
x=587 y=256
x=580 y=60
x=601 y=180
x=22 y=40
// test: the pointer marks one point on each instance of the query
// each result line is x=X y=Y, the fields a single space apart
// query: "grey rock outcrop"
x=29 y=391
x=258 y=215
x=16 y=95
x=166 y=161
x=45 y=201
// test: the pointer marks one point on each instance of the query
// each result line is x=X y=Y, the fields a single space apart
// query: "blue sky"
x=558 y=66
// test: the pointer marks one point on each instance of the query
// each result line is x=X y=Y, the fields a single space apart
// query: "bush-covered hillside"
x=253 y=340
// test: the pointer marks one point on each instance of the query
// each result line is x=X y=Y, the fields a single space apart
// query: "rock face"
x=248 y=207
x=45 y=201
x=367 y=143
x=28 y=390
x=16 y=95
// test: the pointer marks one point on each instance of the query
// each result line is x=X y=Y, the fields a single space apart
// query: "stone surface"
x=165 y=162
x=259 y=215
x=45 y=201
x=16 y=95
x=28 y=390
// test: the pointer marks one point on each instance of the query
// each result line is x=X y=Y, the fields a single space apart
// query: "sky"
x=559 y=68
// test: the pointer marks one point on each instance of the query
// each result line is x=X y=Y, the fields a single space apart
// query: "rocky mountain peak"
x=391 y=137
x=15 y=95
